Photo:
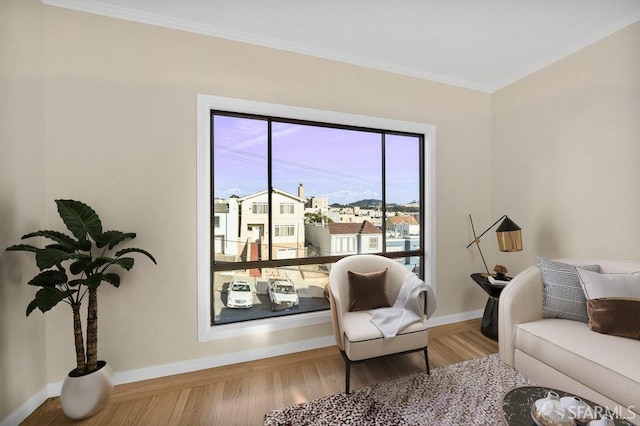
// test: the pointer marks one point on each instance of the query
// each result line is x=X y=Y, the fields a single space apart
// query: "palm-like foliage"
x=72 y=267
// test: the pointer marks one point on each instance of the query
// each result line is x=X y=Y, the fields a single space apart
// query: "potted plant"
x=72 y=269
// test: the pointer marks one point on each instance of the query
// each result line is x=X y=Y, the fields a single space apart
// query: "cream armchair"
x=357 y=338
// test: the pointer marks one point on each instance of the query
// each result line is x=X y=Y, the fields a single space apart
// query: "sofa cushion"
x=363 y=339
x=563 y=294
x=613 y=302
x=604 y=363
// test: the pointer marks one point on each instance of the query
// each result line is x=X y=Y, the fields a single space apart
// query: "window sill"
x=226 y=331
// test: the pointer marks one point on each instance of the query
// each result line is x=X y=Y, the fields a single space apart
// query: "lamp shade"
x=509 y=236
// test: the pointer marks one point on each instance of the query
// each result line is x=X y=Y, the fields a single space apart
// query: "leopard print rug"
x=468 y=393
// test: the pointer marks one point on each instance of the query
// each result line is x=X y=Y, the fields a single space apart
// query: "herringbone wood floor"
x=240 y=394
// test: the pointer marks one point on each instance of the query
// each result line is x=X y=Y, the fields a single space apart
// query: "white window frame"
x=290 y=230
x=287 y=208
x=373 y=243
x=259 y=207
x=206 y=103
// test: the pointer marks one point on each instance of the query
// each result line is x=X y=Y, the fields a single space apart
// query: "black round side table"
x=489 y=325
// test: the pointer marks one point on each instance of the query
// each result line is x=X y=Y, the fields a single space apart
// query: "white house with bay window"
x=287 y=227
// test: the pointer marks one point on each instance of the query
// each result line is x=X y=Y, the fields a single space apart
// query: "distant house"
x=318 y=204
x=405 y=243
x=287 y=227
x=403 y=225
x=345 y=238
x=225 y=228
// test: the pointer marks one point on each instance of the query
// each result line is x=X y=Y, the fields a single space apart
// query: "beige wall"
x=117 y=123
x=566 y=149
x=22 y=195
x=103 y=110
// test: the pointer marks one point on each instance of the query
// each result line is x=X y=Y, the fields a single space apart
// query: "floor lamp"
x=509 y=237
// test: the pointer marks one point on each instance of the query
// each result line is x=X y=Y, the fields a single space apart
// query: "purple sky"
x=342 y=165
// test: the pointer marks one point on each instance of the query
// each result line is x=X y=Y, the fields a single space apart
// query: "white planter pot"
x=84 y=396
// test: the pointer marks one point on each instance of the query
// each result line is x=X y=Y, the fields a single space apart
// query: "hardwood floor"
x=241 y=394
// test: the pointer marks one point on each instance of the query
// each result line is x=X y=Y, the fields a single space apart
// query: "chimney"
x=301 y=191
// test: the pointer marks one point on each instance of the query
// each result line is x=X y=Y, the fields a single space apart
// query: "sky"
x=342 y=165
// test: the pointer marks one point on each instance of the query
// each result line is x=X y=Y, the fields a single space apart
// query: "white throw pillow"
x=613 y=302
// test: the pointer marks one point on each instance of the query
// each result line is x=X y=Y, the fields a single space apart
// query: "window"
x=345 y=245
x=287 y=208
x=373 y=243
x=267 y=162
x=284 y=230
x=259 y=208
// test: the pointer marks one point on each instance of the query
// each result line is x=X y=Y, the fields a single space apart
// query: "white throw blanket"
x=406 y=310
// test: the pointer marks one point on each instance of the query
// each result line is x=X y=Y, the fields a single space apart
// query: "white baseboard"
x=221 y=360
x=189 y=366
x=53 y=389
x=453 y=318
x=28 y=407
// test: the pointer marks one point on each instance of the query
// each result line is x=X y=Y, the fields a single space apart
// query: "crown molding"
x=592 y=39
x=128 y=14
x=119 y=12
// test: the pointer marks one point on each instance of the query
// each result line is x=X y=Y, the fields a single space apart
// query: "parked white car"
x=283 y=294
x=240 y=295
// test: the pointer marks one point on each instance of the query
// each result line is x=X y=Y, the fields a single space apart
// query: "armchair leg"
x=348 y=376
x=348 y=362
x=426 y=360
x=347 y=371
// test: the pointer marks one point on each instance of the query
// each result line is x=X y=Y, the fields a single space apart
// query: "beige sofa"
x=565 y=354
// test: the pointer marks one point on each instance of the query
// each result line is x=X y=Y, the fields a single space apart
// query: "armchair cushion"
x=368 y=291
x=363 y=340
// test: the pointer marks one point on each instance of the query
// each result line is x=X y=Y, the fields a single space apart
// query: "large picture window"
x=370 y=182
x=290 y=192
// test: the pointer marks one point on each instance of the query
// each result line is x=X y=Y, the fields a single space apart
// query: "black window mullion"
x=212 y=252
x=270 y=226
x=211 y=198
x=423 y=207
x=384 y=193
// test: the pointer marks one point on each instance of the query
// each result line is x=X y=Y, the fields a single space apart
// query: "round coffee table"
x=516 y=405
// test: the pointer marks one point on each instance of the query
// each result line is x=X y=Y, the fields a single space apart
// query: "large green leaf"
x=50 y=278
x=136 y=250
x=95 y=280
x=32 y=305
x=48 y=257
x=83 y=264
x=113 y=279
x=125 y=262
x=113 y=238
x=80 y=219
x=60 y=247
x=23 y=247
x=58 y=237
x=101 y=261
x=47 y=298
x=92 y=281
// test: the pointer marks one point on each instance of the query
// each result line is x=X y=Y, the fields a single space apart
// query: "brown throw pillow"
x=613 y=302
x=617 y=317
x=368 y=291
